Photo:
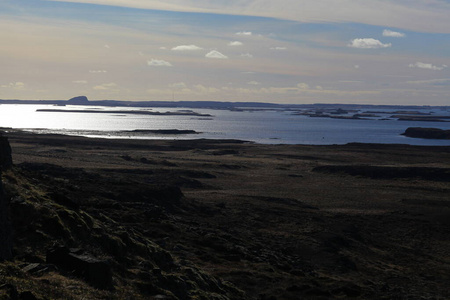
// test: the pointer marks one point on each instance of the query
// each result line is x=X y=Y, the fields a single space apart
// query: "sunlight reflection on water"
x=270 y=127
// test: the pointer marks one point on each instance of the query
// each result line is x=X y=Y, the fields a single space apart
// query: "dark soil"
x=211 y=219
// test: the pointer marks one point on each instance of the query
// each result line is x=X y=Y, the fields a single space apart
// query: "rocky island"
x=223 y=219
x=427 y=133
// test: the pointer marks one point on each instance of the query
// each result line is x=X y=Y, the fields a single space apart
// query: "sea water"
x=275 y=126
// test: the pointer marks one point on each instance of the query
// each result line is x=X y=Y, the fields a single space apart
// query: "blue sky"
x=286 y=51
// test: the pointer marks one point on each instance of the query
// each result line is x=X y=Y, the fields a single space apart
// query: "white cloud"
x=107 y=46
x=421 y=65
x=158 y=63
x=391 y=33
x=186 y=48
x=104 y=86
x=215 y=54
x=278 y=48
x=303 y=86
x=356 y=66
x=14 y=85
x=97 y=71
x=247 y=55
x=443 y=81
x=368 y=43
x=235 y=43
x=204 y=90
x=244 y=33
x=253 y=83
x=178 y=85
x=80 y=81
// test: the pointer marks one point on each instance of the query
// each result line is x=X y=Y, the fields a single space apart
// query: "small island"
x=427 y=133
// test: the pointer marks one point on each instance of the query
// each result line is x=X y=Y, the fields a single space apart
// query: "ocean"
x=267 y=126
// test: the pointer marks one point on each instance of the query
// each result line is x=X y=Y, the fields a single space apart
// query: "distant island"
x=135 y=112
x=314 y=110
x=427 y=133
x=326 y=108
x=80 y=100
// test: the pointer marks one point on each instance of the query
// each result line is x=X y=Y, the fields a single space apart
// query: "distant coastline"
x=266 y=123
x=133 y=112
x=217 y=104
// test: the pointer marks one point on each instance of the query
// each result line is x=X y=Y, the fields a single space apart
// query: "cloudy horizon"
x=374 y=52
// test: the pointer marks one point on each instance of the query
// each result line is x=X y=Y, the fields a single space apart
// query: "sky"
x=284 y=51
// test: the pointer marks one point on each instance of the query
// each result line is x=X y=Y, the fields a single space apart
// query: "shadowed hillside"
x=204 y=219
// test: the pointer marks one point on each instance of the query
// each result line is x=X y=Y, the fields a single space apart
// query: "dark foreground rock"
x=5 y=226
x=95 y=271
x=427 y=133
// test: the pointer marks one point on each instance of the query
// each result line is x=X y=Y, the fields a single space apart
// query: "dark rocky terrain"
x=211 y=219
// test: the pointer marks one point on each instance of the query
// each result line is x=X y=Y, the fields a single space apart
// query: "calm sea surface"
x=269 y=127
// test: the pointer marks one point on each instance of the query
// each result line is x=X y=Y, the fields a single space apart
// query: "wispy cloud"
x=390 y=33
x=417 y=15
x=426 y=66
x=278 y=48
x=303 y=86
x=158 y=63
x=253 y=83
x=244 y=33
x=368 y=43
x=215 y=54
x=97 y=71
x=186 y=48
x=178 y=85
x=14 y=85
x=80 y=81
x=105 y=86
x=235 y=43
x=248 y=55
x=436 y=82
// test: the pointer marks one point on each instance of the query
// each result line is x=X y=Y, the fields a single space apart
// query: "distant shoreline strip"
x=133 y=112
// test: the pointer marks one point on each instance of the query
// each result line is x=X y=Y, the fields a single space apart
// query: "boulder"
x=5 y=153
x=94 y=271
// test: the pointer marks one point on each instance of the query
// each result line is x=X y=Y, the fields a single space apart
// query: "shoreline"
x=172 y=135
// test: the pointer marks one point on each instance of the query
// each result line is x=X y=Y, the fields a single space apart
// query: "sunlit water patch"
x=262 y=126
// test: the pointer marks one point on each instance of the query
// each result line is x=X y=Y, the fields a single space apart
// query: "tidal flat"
x=228 y=219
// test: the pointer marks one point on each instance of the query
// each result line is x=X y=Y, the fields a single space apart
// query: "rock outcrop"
x=427 y=133
x=78 y=100
x=5 y=225
x=95 y=271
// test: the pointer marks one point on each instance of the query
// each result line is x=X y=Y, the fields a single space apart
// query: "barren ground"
x=361 y=221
